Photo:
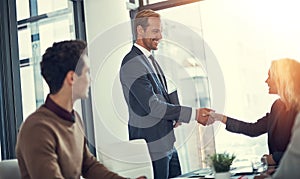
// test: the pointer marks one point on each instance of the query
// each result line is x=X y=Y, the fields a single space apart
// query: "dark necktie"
x=159 y=72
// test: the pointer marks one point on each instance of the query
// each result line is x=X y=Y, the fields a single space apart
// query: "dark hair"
x=141 y=18
x=59 y=59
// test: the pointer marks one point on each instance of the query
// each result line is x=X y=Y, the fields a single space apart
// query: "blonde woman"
x=277 y=123
x=289 y=90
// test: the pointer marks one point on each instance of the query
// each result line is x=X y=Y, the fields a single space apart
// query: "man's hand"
x=202 y=115
x=270 y=159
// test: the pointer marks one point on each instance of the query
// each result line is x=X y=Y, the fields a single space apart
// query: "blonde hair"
x=286 y=75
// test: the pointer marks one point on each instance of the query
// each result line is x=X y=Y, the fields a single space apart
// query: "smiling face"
x=150 y=36
x=271 y=83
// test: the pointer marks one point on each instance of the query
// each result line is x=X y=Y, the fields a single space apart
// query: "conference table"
x=237 y=172
x=206 y=174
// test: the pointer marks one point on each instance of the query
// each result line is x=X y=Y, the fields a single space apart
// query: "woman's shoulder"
x=278 y=103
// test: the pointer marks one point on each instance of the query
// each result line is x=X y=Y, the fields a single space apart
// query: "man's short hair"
x=59 y=59
x=141 y=18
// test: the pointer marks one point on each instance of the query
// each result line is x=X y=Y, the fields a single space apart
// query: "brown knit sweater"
x=51 y=147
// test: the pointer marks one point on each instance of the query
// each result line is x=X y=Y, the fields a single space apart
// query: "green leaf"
x=221 y=162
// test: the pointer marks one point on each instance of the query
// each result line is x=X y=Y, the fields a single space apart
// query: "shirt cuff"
x=193 y=116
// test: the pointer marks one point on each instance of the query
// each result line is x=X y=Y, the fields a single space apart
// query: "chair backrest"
x=9 y=169
x=127 y=158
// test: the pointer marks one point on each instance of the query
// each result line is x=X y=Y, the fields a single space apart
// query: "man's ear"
x=70 y=77
x=140 y=29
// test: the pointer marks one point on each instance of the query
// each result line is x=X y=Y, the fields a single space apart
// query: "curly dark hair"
x=59 y=59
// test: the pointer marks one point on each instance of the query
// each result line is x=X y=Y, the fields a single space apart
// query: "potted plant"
x=221 y=164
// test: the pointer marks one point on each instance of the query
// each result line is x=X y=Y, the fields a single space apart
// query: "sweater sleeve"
x=92 y=169
x=277 y=156
x=250 y=129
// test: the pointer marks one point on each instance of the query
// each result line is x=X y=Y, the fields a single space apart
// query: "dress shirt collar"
x=59 y=111
x=144 y=51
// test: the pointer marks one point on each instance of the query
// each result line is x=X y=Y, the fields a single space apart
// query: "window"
x=50 y=21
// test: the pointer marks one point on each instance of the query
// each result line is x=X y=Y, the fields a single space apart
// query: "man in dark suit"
x=152 y=114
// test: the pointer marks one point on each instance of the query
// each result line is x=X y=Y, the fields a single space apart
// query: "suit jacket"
x=278 y=124
x=151 y=113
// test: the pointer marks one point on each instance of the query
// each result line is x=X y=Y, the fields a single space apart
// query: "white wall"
x=101 y=15
x=109 y=36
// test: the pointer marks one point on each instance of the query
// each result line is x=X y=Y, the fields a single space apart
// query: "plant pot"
x=223 y=175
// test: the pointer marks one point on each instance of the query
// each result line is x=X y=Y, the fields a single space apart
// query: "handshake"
x=207 y=116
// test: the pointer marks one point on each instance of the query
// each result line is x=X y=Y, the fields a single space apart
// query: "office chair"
x=9 y=169
x=127 y=158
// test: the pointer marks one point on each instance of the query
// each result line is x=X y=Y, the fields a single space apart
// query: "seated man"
x=51 y=142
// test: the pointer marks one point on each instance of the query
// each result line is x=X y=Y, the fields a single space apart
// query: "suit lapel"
x=152 y=73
